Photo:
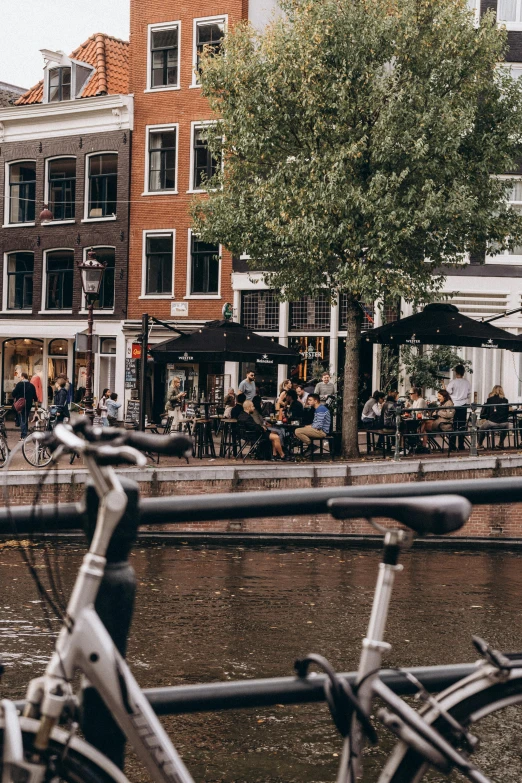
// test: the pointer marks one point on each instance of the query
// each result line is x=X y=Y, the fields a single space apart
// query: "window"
x=164 y=56
x=515 y=201
x=58 y=347
x=204 y=278
x=59 y=84
x=509 y=12
x=159 y=253
x=162 y=159
x=61 y=175
x=59 y=274
x=103 y=185
x=105 y=300
x=260 y=311
x=204 y=163
x=208 y=33
x=20 y=267
x=308 y=314
x=368 y=311
x=22 y=191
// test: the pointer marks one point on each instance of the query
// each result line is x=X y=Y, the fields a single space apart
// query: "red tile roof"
x=110 y=58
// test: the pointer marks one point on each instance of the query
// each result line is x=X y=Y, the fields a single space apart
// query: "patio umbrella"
x=220 y=341
x=443 y=324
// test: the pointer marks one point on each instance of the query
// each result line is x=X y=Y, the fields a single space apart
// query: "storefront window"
x=57 y=363
x=315 y=358
x=20 y=355
x=266 y=377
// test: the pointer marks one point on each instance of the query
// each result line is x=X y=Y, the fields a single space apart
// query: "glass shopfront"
x=266 y=377
x=20 y=355
x=315 y=358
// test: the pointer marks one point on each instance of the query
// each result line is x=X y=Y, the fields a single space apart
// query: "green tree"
x=360 y=138
x=424 y=368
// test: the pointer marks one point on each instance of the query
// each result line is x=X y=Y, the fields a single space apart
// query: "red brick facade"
x=182 y=106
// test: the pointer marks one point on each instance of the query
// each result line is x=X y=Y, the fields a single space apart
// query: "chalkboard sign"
x=130 y=373
x=133 y=412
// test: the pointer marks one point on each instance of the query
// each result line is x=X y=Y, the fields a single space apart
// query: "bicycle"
x=34 y=749
x=4 y=446
x=34 y=450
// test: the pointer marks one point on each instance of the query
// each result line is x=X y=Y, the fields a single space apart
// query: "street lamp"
x=92 y=274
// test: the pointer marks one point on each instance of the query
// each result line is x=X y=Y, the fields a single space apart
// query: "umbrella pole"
x=397 y=453
x=474 y=429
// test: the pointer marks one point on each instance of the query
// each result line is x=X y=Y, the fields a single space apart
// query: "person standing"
x=102 y=407
x=24 y=390
x=325 y=388
x=174 y=402
x=248 y=385
x=112 y=410
x=459 y=390
x=61 y=399
x=320 y=427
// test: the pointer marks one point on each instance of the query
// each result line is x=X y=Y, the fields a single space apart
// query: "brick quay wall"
x=499 y=521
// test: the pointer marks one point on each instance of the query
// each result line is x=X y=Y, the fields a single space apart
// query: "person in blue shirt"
x=320 y=427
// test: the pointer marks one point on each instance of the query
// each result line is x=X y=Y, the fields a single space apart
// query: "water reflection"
x=217 y=614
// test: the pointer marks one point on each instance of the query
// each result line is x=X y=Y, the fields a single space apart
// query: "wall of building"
x=182 y=106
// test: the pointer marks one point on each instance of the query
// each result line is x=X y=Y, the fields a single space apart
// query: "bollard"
x=115 y=605
x=473 y=422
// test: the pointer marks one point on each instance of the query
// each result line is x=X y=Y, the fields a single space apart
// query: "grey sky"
x=26 y=26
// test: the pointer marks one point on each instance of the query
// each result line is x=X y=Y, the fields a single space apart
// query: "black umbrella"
x=220 y=341
x=442 y=324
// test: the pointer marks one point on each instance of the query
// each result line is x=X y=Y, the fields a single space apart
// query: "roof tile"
x=110 y=58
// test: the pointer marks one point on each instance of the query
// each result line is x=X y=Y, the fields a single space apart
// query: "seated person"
x=293 y=408
x=416 y=400
x=442 y=417
x=371 y=412
x=238 y=407
x=495 y=415
x=388 y=408
x=282 y=393
x=253 y=430
x=320 y=427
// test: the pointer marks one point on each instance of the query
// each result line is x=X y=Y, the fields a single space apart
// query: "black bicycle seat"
x=432 y=515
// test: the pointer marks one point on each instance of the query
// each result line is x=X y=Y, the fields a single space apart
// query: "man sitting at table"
x=416 y=399
x=253 y=431
x=238 y=407
x=320 y=425
x=293 y=408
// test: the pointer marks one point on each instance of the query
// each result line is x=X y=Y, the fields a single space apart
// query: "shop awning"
x=443 y=324
x=220 y=341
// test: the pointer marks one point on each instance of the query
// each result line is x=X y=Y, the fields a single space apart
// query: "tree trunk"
x=351 y=380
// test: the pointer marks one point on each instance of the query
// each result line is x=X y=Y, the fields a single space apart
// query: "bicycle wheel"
x=35 y=454
x=4 y=451
x=492 y=712
x=71 y=762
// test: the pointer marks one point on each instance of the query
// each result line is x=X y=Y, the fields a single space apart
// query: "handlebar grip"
x=169 y=445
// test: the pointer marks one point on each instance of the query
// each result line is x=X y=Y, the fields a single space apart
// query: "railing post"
x=115 y=606
x=398 y=414
x=473 y=426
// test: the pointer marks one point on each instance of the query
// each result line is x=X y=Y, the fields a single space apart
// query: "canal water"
x=208 y=614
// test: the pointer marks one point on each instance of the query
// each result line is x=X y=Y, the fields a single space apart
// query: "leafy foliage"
x=425 y=369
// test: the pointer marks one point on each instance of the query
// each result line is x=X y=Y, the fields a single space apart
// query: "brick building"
x=173 y=276
x=66 y=143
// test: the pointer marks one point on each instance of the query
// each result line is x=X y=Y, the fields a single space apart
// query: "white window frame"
x=195 y=125
x=157 y=232
x=87 y=178
x=148 y=130
x=188 y=295
x=218 y=18
x=5 y=292
x=83 y=310
x=46 y=189
x=7 y=193
x=505 y=257
x=512 y=25
x=45 y=254
x=151 y=28
x=66 y=62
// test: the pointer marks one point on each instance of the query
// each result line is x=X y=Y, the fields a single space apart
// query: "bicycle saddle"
x=433 y=515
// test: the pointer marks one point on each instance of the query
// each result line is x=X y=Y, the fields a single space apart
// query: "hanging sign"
x=136 y=351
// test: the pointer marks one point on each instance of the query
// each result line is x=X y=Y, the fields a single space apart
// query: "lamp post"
x=92 y=274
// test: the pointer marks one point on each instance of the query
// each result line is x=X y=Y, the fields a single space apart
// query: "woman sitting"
x=229 y=402
x=495 y=415
x=443 y=416
x=253 y=430
x=293 y=408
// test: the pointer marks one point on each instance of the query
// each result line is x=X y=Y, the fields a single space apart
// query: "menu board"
x=130 y=373
x=133 y=412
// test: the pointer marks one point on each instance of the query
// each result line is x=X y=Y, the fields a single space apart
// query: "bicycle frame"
x=85 y=645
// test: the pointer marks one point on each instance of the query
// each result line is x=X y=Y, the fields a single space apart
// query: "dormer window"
x=59 y=84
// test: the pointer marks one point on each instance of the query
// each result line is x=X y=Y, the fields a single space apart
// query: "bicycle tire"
x=4 y=451
x=470 y=701
x=34 y=453
x=73 y=761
